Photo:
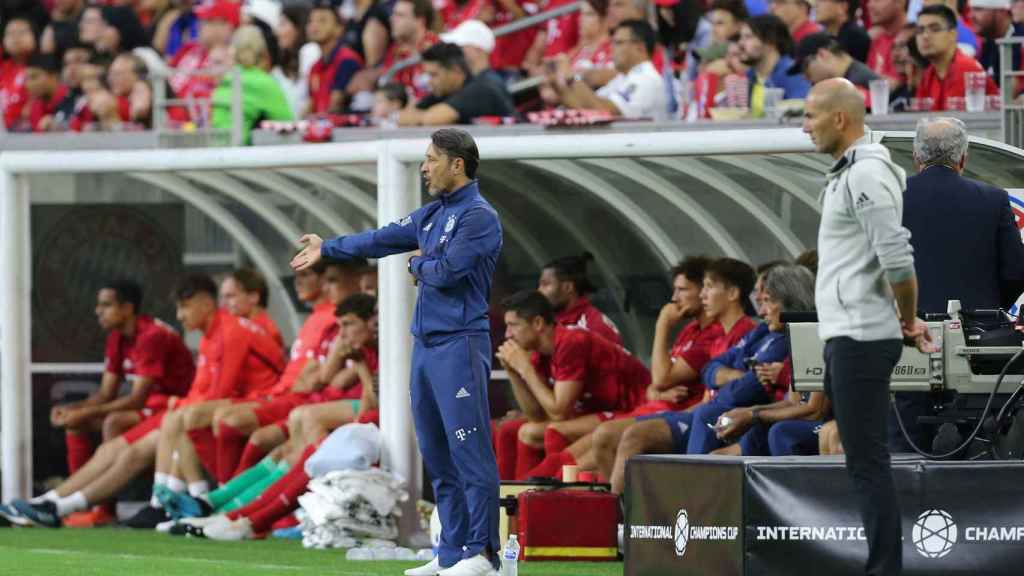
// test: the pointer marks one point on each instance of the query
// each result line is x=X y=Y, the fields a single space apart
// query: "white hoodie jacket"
x=862 y=246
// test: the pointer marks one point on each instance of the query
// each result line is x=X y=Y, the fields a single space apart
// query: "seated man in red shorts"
x=234 y=357
x=140 y=349
x=236 y=418
x=244 y=293
x=593 y=379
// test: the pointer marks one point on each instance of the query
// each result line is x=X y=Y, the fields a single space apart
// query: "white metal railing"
x=200 y=110
x=1012 y=107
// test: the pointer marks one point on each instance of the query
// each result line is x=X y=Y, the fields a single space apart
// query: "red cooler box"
x=568 y=525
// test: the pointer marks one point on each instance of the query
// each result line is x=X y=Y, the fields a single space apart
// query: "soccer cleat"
x=291 y=533
x=42 y=514
x=180 y=505
x=11 y=515
x=478 y=565
x=147 y=518
x=205 y=521
x=98 y=516
x=429 y=569
x=240 y=529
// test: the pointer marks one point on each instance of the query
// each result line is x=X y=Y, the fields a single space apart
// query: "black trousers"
x=857 y=382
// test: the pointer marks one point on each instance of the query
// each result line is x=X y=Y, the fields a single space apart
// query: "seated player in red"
x=244 y=293
x=267 y=490
x=235 y=357
x=147 y=353
x=563 y=377
x=219 y=447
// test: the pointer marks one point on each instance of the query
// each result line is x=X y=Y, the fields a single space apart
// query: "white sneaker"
x=429 y=569
x=478 y=565
x=205 y=521
x=240 y=529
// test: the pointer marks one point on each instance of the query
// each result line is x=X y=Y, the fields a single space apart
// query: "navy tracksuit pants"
x=452 y=418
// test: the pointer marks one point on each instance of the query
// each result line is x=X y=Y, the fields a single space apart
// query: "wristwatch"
x=755 y=414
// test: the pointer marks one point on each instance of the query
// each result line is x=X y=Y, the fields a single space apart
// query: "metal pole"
x=397 y=197
x=15 y=375
x=236 y=107
x=159 y=103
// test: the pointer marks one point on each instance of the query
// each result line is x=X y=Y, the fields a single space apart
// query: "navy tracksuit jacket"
x=460 y=238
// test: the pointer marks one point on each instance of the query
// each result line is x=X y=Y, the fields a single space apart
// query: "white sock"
x=50 y=496
x=74 y=503
x=197 y=489
x=176 y=484
x=155 y=502
x=160 y=479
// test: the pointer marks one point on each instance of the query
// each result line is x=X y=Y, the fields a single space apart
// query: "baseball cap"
x=230 y=12
x=471 y=33
x=990 y=4
x=807 y=48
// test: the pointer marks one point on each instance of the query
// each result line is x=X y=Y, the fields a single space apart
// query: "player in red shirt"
x=217 y=22
x=725 y=295
x=564 y=283
x=19 y=43
x=45 y=92
x=330 y=76
x=235 y=358
x=888 y=17
x=147 y=353
x=569 y=376
x=937 y=41
x=244 y=294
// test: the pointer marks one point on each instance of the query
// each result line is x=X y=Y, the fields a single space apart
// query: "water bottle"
x=510 y=557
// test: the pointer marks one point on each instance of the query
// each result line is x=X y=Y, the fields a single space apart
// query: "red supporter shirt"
x=585 y=315
x=13 y=95
x=155 y=351
x=237 y=359
x=305 y=347
x=83 y=118
x=613 y=379
x=332 y=74
x=453 y=13
x=563 y=33
x=263 y=320
x=953 y=85
x=190 y=58
x=806 y=29
x=594 y=58
x=412 y=76
x=39 y=109
x=880 y=56
x=510 y=49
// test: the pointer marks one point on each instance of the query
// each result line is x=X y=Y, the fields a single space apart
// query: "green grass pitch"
x=122 y=552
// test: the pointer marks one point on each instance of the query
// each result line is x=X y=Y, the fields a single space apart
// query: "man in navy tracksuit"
x=460 y=238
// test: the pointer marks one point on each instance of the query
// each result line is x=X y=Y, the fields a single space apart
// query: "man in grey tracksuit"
x=865 y=265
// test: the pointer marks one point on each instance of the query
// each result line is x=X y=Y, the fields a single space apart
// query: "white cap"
x=991 y=4
x=268 y=11
x=471 y=33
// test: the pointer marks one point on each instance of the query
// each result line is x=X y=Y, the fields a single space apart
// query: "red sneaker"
x=98 y=516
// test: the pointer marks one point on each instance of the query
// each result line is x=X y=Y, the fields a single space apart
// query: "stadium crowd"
x=89 y=65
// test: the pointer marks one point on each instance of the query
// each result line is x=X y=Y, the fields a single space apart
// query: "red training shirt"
x=263 y=320
x=154 y=351
x=305 y=347
x=585 y=315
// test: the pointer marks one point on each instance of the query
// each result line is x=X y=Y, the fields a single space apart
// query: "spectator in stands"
x=839 y=18
x=787 y=426
x=411 y=35
x=910 y=65
x=296 y=56
x=262 y=96
x=244 y=293
x=725 y=295
x=388 y=102
x=992 y=22
x=820 y=57
x=888 y=17
x=233 y=358
x=767 y=47
x=121 y=31
x=366 y=31
x=557 y=36
x=1017 y=11
x=477 y=43
x=796 y=15
x=638 y=91
x=183 y=31
x=141 y=350
x=126 y=78
x=457 y=97
x=19 y=44
x=591 y=58
x=594 y=379
x=330 y=75
x=966 y=40
x=76 y=57
x=62 y=30
x=160 y=16
x=217 y=21
x=45 y=94
x=726 y=17
x=944 y=77
x=681 y=28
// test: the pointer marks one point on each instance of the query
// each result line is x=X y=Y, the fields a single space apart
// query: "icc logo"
x=934 y=533
x=681 y=532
